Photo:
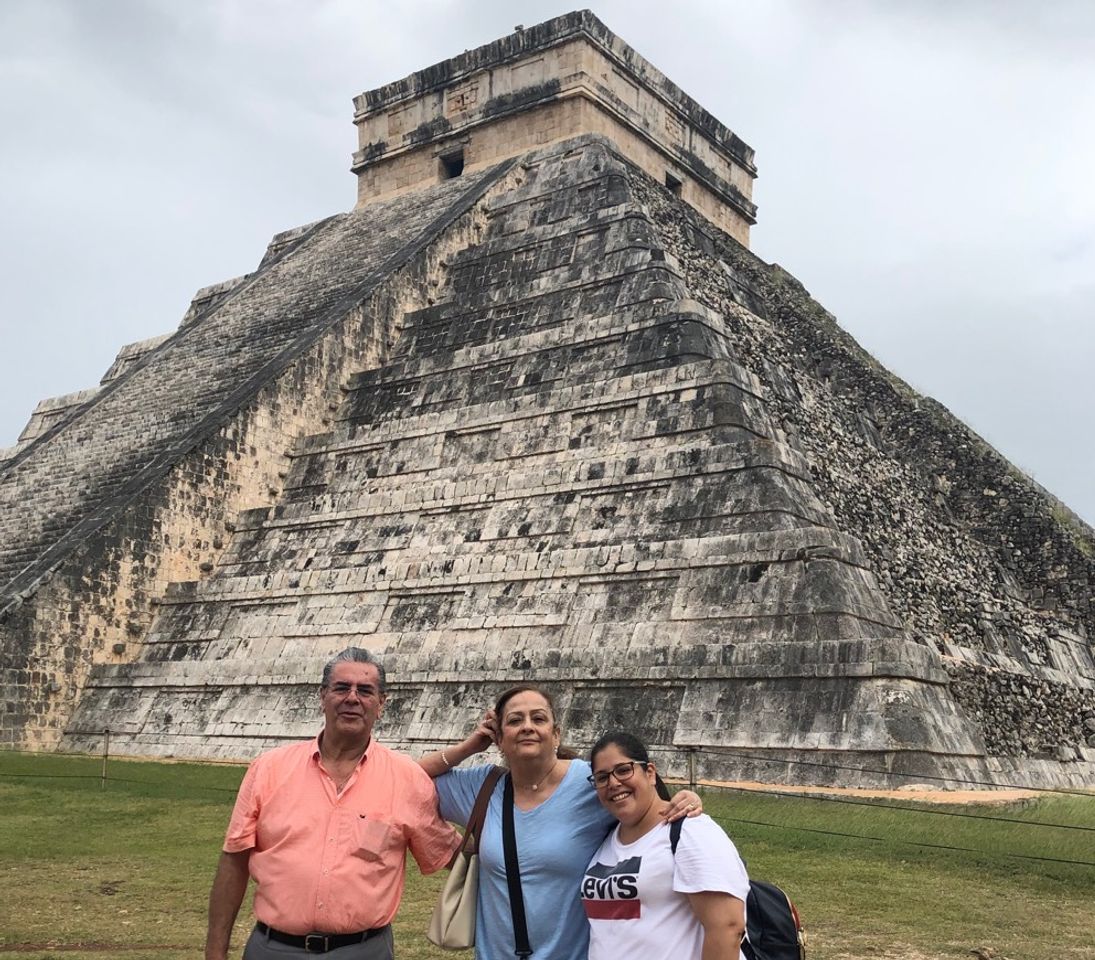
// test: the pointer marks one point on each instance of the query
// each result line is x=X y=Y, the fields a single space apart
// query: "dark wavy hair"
x=635 y=749
x=564 y=753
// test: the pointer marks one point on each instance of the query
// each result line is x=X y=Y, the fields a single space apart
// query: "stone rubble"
x=973 y=556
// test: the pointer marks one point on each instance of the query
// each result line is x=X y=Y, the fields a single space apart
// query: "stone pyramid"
x=533 y=411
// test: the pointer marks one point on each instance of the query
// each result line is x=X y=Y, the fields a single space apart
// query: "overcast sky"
x=927 y=170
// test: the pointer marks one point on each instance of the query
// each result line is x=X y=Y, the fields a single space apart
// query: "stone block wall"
x=146 y=486
x=562 y=472
x=52 y=411
x=567 y=77
x=546 y=422
x=972 y=555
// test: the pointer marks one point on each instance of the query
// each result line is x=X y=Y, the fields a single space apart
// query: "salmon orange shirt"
x=333 y=862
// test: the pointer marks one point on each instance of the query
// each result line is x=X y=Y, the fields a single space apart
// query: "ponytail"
x=660 y=787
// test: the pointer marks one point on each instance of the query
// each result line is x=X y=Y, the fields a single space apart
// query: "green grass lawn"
x=124 y=871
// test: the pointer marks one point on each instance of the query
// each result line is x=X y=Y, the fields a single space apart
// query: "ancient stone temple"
x=532 y=410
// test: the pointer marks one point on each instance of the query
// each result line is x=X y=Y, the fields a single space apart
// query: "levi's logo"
x=612 y=893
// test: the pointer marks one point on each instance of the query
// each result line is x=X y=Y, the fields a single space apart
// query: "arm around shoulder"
x=229 y=886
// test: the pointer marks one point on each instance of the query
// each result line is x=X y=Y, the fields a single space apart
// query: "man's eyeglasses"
x=342 y=689
x=622 y=772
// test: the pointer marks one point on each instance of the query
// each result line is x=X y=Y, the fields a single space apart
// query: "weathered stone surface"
x=543 y=422
x=143 y=485
x=562 y=474
x=568 y=76
x=972 y=555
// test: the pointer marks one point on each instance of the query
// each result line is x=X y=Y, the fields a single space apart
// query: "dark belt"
x=318 y=942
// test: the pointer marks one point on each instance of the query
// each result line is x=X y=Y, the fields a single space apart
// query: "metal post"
x=106 y=754
x=692 y=769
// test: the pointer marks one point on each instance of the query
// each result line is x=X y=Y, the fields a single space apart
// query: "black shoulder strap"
x=675 y=835
x=513 y=874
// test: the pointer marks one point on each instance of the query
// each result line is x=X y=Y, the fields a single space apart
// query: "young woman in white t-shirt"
x=641 y=899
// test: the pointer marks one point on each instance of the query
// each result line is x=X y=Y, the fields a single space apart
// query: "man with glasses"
x=323 y=828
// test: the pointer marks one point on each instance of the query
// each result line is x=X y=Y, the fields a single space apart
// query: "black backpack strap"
x=675 y=835
x=513 y=874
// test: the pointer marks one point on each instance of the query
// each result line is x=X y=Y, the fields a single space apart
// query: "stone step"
x=542 y=305
x=148 y=415
x=323 y=481
x=586 y=330
x=550 y=199
x=561 y=401
x=582 y=235
x=720 y=566
x=534 y=551
x=880 y=654
x=595 y=246
x=707 y=506
x=492 y=482
x=671 y=341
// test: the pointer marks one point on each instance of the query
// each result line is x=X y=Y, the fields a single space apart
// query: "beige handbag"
x=452 y=925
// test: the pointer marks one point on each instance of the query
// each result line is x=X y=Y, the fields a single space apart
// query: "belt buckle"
x=319 y=940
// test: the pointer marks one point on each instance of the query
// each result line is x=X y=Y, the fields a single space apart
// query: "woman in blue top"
x=559 y=824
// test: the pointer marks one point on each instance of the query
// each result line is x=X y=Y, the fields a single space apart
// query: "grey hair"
x=353 y=655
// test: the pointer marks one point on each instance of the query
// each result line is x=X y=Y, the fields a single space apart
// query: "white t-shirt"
x=634 y=894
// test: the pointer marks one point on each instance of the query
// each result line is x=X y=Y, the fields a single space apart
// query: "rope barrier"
x=88 y=776
x=898 y=806
x=686 y=751
x=721 y=818
x=914 y=843
x=1068 y=791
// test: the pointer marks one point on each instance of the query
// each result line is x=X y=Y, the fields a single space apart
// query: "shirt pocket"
x=375 y=838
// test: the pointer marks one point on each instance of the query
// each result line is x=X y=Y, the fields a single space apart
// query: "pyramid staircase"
x=561 y=474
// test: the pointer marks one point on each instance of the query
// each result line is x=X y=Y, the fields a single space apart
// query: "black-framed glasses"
x=622 y=772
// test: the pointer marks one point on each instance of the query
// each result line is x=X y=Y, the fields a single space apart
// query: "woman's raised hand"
x=485 y=734
x=440 y=762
